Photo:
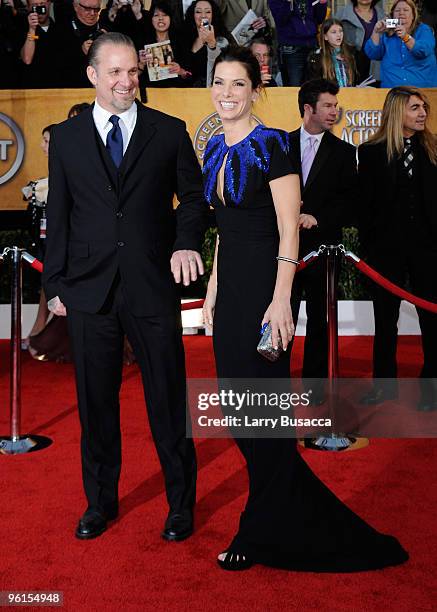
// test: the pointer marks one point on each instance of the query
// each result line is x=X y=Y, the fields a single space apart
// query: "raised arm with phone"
x=405 y=47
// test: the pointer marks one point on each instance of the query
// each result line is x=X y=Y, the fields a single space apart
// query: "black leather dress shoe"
x=92 y=524
x=177 y=527
x=378 y=396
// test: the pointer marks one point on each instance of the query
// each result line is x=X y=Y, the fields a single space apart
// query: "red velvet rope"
x=304 y=264
x=192 y=305
x=37 y=265
x=32 y=261
x=358 y=263
x=386 y=284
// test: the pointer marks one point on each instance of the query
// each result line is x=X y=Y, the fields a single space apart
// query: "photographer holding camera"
x=405 y=47
x=204 y=36
x=9 y=45
x=76 y=30
x=38 y=47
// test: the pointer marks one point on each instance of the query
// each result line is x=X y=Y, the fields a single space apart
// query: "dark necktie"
x=114 y=141
x=407 y=157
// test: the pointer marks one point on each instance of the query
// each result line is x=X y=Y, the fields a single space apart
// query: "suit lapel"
x=388 y=168
x=322 y=155
x=295 y=143
x=295 y=153
x=427 y=173
x=93 y=152
x=89 y=143
x=142 y=134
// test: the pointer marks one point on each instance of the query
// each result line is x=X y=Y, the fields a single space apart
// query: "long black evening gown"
x=291 y=519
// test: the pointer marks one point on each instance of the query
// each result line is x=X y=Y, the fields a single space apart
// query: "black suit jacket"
x=381 y=210
x=330 y=189
x=100 y=219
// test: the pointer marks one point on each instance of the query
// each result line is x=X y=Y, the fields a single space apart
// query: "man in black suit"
x=398 y=229
x=112 y=230
x=327 y=167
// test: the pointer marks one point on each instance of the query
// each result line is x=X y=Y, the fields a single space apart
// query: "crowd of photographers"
x=45 y=43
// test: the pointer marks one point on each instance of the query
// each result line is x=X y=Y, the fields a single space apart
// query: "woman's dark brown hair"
x=243 y=56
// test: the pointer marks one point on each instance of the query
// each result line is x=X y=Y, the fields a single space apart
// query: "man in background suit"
x=111 y=232
x=327 y=168
x=398 y=230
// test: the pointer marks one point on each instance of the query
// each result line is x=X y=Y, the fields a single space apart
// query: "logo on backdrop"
x=11 y=148
x=209 y=127
x=360 y=125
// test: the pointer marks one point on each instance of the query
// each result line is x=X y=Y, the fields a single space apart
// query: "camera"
x=40 y=10
x=205 y=23
x=390 y=24
x=125 y=2
x=95 y=35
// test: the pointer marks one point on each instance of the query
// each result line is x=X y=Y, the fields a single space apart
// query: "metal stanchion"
x=16 y=444
x=336 y=441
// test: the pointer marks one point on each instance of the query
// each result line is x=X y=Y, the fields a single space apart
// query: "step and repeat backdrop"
x=23 y=115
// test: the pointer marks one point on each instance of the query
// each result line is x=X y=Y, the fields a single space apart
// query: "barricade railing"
x=18 y=444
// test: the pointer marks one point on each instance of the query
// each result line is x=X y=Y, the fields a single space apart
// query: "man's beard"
x=123 y=105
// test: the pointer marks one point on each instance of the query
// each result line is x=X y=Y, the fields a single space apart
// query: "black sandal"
x=234 y=561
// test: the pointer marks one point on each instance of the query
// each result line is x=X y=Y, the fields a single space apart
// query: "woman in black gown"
x=291 y=519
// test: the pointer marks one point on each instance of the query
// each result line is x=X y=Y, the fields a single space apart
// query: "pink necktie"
x=309 y=154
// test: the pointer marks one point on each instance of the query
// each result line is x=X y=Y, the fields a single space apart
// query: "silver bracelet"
x=293 y=261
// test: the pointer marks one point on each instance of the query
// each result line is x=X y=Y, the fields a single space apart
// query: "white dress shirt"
x=304 y=135
x=127 y=123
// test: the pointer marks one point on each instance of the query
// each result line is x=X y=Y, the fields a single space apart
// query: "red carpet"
x=391 y=483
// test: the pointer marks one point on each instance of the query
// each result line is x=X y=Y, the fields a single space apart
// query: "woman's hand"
x=136 y=9
x=401 y=31
x=145 y=58
x=112 y=13
x=184 y=74
x=209 y=304
x=266 y=77
x=258 y=24
x=175 y=68
x=207 y=36
x=379 y=27
x=278 y=314
x=86 y=46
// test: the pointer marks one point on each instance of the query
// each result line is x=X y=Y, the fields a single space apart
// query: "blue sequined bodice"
x=251 y=153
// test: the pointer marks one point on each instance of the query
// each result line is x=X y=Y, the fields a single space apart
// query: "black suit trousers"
x=97 y=342
x=421 y=269
x=312 y=280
